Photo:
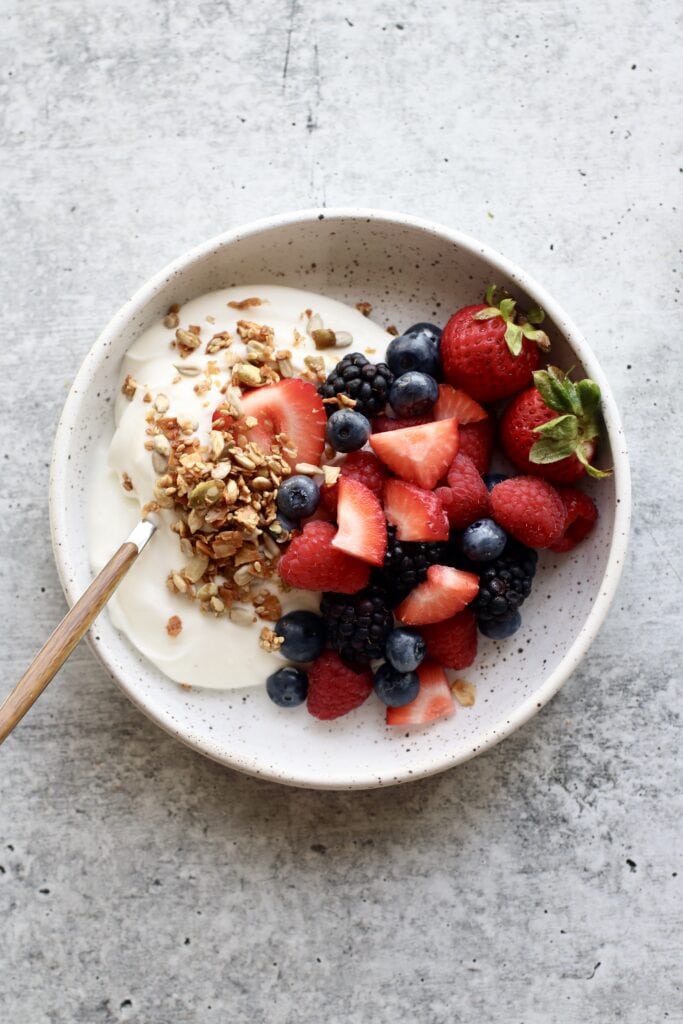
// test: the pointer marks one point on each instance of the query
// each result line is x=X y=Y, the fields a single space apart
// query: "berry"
x=466 y=498
x=366 y=383
x=483 y=541
x=282 y=528
x=551 y=429
x=581 y=515
x=418 y=515
x=420 y=455
x=416 y=349
x=304 y=635
x=413 y=394
x=505 y=583
x=530 y=509
x=406 y=565
x=347 y=430
x=500 y=629
x=312 y=563
x=445 y=592
x=395 y=689
x=434 y=699
x=362 y=466
x=298 y=497
x=362 y=527
x=453 y=643
x=405 y=649
x=453 y=404
x=357 y=626
x=334 y=688
x=487 y=354
x=291 y=407
x=381 y=424
x=476 y=441
x=287 y=687
x=491 y=479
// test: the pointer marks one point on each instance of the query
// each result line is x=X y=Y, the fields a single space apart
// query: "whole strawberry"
x=489 y=351
x=551 y=429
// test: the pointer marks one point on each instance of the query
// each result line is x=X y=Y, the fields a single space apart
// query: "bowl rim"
x=58 y=509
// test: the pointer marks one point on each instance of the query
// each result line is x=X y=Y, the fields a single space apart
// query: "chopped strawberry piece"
x=453 y=642
x=421 y=454
x=362 y=466
x=222 y=419
x=312 y=563
x=454 y=404
x=334 y=688
x=581 y=515
x=293 y=408
x=476 y=440
x=444 y=593
x=434 y=699
x=417 y=514
x=381 y=424
x=362 y=527
x=466 y=498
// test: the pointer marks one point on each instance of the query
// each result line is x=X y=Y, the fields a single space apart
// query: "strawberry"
x=452 y=643
x=222 y=418
x=581 y=515
x=551 y=429
x=312 y=563
x=363 y=466
x=417 y=514
x=531 y=510
x=381 y=424
x=434 y=699
x=421 y=454
x=486 y=353
x=334 y=688
x=362 y=527
x=466 y=497
x=476 y=440
x=291 y=407
x=453 y=404
x=444 y=593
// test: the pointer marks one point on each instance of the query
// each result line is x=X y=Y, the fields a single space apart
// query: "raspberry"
x=311 y=563
x=581 y=515
x=335 y=688
x=476 y=441
x=362 y=466
x=452 y=643
x=530 y=509
x=466 y=497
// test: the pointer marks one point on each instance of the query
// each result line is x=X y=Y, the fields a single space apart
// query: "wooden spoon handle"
x=71 y=630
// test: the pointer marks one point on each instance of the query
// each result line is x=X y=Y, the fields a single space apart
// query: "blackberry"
x=368 y=383
x=357 y=624
x=406 y=564
x=504 y=583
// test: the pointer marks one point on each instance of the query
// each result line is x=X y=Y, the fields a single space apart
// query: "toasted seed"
x=185 y=546
x=217 y=443
x=464 y=692
x=242 y=617
x=206 y=591
x=232 y=492
x=307 y=469
x=161 y=444
x=171 y=320
x=324 y=338
x=343 y=339
x=188 y=338
x=161 y=403
x=244 y=461
x=331 y=474
x=206 y=493
x=179 y=583
x=248 y=374
x=242 y=576
x=271 y=548
x=285 y=367
x=188 y=370
x=159 y=463
x=221 y=470
x=257 y=351
x=261 y=483
x=217 y=605
x=315 y=323
x=196 y=567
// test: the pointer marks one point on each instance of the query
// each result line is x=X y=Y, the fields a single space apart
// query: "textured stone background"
x=537 y=884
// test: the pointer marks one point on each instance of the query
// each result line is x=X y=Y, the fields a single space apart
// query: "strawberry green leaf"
x=597 y=474
x=513 y=338
x=487 y=314
x=536 y=315
x=561 y=428
x=540 y=337
x=490 y=296
x=589 y=396
x=547 y=449
x=551 y=386
x=507 y=309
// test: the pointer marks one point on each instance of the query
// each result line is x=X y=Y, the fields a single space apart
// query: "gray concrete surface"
x=537 y=884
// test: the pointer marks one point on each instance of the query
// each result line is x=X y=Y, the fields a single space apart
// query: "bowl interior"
x=409 y=271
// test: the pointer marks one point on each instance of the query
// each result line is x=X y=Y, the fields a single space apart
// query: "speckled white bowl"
x=409 y=270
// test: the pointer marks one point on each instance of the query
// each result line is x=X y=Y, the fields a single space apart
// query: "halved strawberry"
x=445 y=592
x=421 y=454
x=362 y=527
x=455 y=404
x=291 y=407
x=434 y=699
x=417 y=514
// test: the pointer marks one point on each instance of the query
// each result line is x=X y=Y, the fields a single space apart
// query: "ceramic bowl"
x=410 y=270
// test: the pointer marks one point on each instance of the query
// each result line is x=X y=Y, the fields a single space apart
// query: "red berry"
x=444 y=593
x=466 y=498
x=312 y=563
x=334 y=688
x=581 y=515
x=530 y=509
x=362 y=527
x=434 y=699
x=517 y=436
x=417 y=514
x=362 y=466
x=476 y=440
x=452 y=643
x=453 y=404
x=292 y=407
x=421 y=454
x=381 y=424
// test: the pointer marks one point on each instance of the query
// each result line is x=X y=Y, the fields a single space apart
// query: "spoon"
x=72 y=629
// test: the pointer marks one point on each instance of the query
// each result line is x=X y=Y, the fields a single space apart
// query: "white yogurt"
x=210 y=652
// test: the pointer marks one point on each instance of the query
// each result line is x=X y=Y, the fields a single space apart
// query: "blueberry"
x=395 y=688
x=405 y=649
x=501 y=629
x=287 y=687
x=413 y=394
x=348 y=430
x=298 y=497
x=304 y=635
x=416 y=349
x=491 y=479
x=483 y=541
x=283 y=528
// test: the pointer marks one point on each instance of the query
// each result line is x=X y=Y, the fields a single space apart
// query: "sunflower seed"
x=159 y=463
x=242 y=616
x=161 y=403
x=196 y=567
x=315 y=323
x=344 y=339
x=162 y=445
x=187 y=369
